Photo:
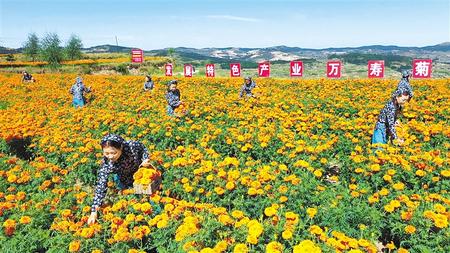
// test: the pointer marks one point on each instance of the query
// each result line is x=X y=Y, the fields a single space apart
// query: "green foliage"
x=51 y=50
x=31 y=47
x=73 y=48
x=10 y=58
x=122 y=68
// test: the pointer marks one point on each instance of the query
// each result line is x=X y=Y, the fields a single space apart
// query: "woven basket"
x=148 y=189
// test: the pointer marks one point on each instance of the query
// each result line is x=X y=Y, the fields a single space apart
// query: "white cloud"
x=234 y=18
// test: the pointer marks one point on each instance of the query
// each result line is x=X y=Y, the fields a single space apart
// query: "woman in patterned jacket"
x=149 y=84
x=173 y=97
x=387 y=120
x=78 y=90
x=247 y=87
x=122 y=158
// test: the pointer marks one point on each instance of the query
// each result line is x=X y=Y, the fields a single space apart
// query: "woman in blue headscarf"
x=78 y=90
x=404 y=83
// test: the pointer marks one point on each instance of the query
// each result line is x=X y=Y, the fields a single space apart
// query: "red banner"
x=137 y=56
x=334 y=69
x=235 y=69
x=296 y=68
x=375 y=69
x=188 y=70
x=210 y=70
x=264 y=69
x=169 y=68
x=421 y=68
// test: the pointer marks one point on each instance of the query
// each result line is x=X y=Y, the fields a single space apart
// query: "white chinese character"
x=375 y=69
x=210 y=70
x=188 y=70
x=422 y=68
x=334 y=69
x=296 y=69
x=235 y=70
x=169 y=70
x=263 y=67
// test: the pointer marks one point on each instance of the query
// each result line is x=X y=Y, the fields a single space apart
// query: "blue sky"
x=231 y=23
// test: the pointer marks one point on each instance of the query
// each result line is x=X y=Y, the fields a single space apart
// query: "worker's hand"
x=146 y=163
x=400 y=141
x=92 y=218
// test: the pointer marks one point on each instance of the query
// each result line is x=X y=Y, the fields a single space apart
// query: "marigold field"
x=290 y=171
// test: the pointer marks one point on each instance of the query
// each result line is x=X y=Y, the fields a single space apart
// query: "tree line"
x=49 y=48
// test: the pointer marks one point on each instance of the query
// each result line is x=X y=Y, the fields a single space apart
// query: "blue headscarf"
x=406 y=73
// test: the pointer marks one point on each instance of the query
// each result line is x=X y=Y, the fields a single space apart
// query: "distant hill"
x=107 y=49
x=440 y=52
x=5 y=50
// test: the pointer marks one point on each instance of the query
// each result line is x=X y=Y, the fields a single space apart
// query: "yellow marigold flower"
x=252 y=239
x=395 y=203
x=230 y=186
x=237 y=214
x=274 y=247
x=162 y=223
x=240 y=248
x=316 y=230
x=440 y=221
x=389 y=208
x=219 y=190
x=390 y=246
x=306 y=246
x=225 y=219
x=406 y=215
x=445 y=173
x=375 y=167
x=252 y=191
x=287 y=234
x=189 y=246
x=318 y=173
x=439 y=208
x=74 y=246
x=221 y=246
x=410 y=229
x=270 y=211
x=429 y=214
x=420 y=173
x=283 y=199
x=373 y=199
x=207 y=250
x=359 y=170
x=384 y=192
x=25 y=219
x=398 y=186
x=311 y=212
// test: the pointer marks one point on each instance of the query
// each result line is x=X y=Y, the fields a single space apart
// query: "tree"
x=73 y=47
x=31 y=46
x=51 y=50
x=171 y=53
